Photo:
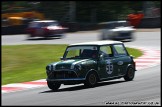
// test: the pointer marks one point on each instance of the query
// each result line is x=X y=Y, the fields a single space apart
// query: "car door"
x=107 y=63
x=122 y=58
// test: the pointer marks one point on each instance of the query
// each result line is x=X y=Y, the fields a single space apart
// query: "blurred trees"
x=85 y=11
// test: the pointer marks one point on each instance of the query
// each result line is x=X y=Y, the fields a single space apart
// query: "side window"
x=120 y=50
x=106 y=51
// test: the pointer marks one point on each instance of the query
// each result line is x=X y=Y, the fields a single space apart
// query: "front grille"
x=61 y=67
x=62 y=75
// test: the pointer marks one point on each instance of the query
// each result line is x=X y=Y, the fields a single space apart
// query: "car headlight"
x=49 y=68
x=77 y=67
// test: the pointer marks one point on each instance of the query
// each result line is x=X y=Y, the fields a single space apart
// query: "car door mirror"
x=61 y=58
x=132 y=56
x=101 y=57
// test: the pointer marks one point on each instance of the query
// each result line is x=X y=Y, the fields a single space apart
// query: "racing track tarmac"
x=144 y=89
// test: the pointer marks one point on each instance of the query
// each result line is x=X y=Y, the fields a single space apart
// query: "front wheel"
x=53 y=85
x=130 y=74
x=91 y=80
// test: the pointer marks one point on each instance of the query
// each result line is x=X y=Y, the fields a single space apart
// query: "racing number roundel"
x=109 y=67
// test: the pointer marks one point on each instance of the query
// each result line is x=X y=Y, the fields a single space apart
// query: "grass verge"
x=22 y=63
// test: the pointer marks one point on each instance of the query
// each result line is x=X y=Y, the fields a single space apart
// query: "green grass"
x=134 y=52
x=22 y=63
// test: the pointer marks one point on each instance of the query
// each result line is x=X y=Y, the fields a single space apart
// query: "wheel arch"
x=127 y=76
x=128 y=66
x=92 y=70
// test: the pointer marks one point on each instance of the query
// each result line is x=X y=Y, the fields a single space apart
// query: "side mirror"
x=101 y=57
x=132 y=56
x=61 y=58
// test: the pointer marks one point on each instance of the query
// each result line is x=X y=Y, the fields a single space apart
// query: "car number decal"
x=109 y=67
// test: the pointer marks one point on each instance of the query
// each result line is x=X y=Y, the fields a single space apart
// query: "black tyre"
x=53 y=85
x=130 y=74
x=91 y=80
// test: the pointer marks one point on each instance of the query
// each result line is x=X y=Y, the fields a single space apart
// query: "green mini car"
x=90 y=63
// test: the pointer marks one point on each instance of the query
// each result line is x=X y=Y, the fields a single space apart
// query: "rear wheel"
x=91 y=80
x=130 y=74
x=53 y=85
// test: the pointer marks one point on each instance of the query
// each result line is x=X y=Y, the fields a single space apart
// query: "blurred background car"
x=117 y=30
x=45 y=28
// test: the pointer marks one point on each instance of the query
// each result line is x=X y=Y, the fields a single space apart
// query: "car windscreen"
x=81 y=52
x=117 y=24
x=52 y=24
x=42 y=24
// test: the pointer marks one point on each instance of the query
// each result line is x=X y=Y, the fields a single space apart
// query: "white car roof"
x=103 y=42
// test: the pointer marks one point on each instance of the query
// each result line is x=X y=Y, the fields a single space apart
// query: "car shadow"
x=81 y=87
x=42 y=38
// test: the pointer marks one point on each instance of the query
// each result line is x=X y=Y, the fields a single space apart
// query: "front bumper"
x=68 y=81
x=64 y=76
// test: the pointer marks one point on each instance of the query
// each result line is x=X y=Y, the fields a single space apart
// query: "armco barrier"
x=150 y=23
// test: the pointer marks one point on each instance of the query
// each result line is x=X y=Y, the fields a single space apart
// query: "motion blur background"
x=79 y=15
